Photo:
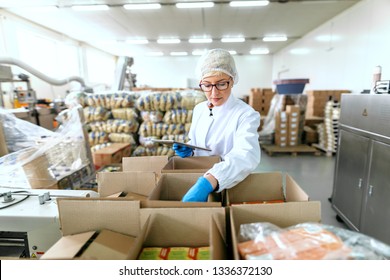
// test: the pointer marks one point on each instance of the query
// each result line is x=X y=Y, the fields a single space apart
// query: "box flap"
x=293 y=191
x=218 y=244
x=198 y=164
x=189 y=227
x=86 y=214
x=281 y=214
x=146 y=163
x=109 y=245
x=67 y=247
x=136 y=182
x=257 y=187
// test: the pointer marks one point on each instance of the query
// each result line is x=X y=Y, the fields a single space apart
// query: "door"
x=376 y=211
x=350 y=177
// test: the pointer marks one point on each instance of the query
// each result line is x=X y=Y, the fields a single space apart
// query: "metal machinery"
x=361 y=191
x=29 y=220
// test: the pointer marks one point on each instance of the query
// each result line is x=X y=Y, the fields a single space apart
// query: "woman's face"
x=217 y=96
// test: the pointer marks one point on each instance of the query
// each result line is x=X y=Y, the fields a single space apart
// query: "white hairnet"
x=217 y=60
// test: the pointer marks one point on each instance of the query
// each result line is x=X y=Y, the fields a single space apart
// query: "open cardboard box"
x=171 y=188
x=282 y=215
x=198 y=164
x=106 y=228
x=267 y=186
x=137 y=182
x=189 y=227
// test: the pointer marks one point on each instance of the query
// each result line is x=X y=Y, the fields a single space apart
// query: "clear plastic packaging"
x=307 y=241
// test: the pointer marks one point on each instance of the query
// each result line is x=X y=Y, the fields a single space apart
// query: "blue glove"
x=198 y=192
x=182 y=151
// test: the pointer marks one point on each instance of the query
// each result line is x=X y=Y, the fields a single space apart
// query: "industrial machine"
x=29 y=220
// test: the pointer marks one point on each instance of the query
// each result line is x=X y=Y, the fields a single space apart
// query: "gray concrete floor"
x=314 y=174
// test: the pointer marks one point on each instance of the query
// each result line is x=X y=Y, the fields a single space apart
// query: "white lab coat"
x=230 y=133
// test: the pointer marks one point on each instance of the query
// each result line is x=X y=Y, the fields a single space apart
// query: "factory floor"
x=314 y=174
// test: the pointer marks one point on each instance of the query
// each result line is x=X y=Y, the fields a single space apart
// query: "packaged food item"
x=175 y=253
x=307 y=241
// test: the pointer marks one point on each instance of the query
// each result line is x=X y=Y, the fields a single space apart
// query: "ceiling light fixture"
x=168 y=41
x=198 y=52
x=248 y=3
x=232 y=52
x=191 y=5
x=91 y=8
x=259 y=51
x=275 y=38
x=200 y=40
x=152 y=6
x=233 y=40
x=179 y=53
x=137 y=41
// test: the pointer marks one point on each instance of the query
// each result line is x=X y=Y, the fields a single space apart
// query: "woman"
x=224 y=124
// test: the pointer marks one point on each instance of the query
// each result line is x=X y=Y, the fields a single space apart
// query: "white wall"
x=174 y=72
x=360 y=41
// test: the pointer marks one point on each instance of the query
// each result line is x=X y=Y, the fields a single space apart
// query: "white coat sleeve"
x=245 y=155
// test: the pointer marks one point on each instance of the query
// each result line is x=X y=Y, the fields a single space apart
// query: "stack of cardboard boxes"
x=151 y=222
x=288 y=126
x=316 y=100
x=260 y=99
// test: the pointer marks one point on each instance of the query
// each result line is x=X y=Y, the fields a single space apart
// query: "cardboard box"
x=137 y=182
x=146 y=163
x=189 y=227
x=111 y=154
x=198 y=164
x=115 y=223
x=267 y=186
x=171 y=188
x=282 y=215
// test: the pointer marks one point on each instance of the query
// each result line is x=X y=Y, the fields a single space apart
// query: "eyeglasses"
x=218 y=86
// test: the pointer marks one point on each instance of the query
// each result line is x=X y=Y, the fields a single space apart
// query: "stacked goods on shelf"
x=165 y=115
x=260 y=100
x=317 y=99
x=328 y=130
x=112 y=118
x=288 y=126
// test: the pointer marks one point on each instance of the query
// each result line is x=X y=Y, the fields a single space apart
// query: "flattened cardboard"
x=199 y=164
x=137 y=182
x=189 y=227
x=171 y=188
x=281 y=214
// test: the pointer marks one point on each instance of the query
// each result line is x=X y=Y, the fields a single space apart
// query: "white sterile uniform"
x=230 y=133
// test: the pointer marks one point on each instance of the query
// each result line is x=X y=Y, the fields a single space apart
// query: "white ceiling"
x=108 y=30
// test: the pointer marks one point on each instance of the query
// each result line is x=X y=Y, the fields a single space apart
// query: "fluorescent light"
x=168 y=41
x=233 y=40
x=178 y=53
x=248 y=3
x=137 y=41
x=200 y=40
x=152 y=6
x=259 y=51
x=91 y=8
x=155 y=54
x=191 y=5
x=232 y=52
x=275 y=38
x=198 y=52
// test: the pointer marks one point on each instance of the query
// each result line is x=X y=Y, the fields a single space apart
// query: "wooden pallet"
x=293 y=150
